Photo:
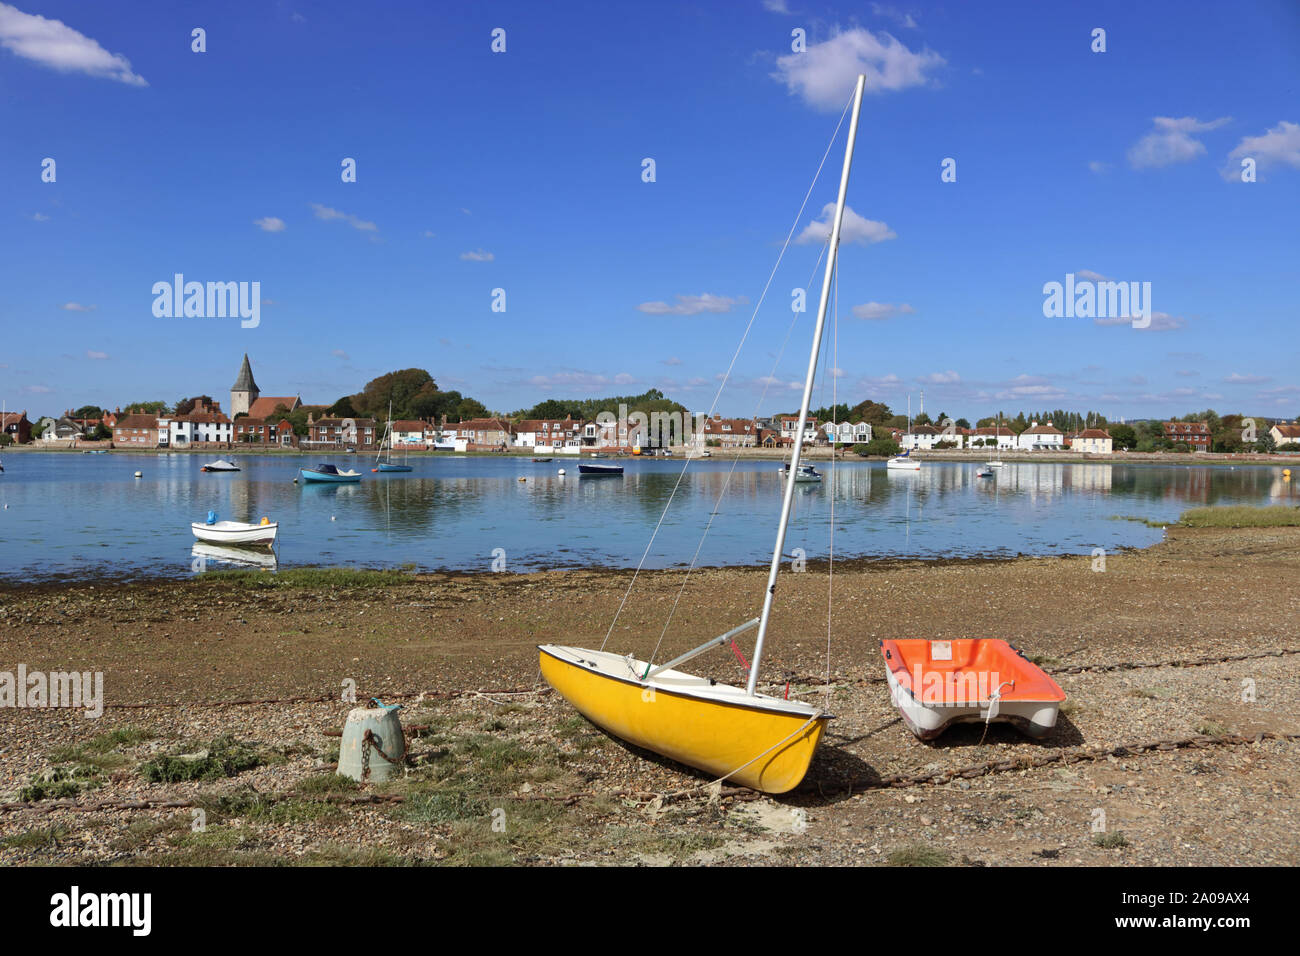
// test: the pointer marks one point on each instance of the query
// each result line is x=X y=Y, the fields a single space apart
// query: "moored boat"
x=972 y=680
x=903 y=462
x=984 y=473
x=235 y=532
x=329 y=473
x=221 y=464
x=805 y=474
x=600 y=471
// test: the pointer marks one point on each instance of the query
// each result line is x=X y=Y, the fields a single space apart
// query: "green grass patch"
x=223 y=757
x=442 y=806
x=1110 y=841
x=327 y=783
x=305 y=578
x=39 y=838
x=917 y=854
x=1241 y=516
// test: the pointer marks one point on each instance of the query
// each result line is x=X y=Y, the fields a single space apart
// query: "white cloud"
x=580 y=380
x=329 y=215
x=1160 y=322
x=882 y=310
x=92 y=354
x=1097 y=166
x=1090 y=275
x=54 y=44
x=40 y=217
x=340 y=354
x=477 y=255
x=904 y=20
x=694 y=305
x=1279 y=146
x=854 y=228
x=428 y=233
x=269 y=224
x=37 y=389
x=674 y=360
x=941 y=378
x=1238 y=379
x=1171 y=142
x=775 y=6
x=824 y=74
x=77 y=307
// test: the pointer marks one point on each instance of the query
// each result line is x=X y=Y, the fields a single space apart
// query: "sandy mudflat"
x=569 y=794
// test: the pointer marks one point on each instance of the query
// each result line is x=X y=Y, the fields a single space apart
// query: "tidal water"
x=84 y=516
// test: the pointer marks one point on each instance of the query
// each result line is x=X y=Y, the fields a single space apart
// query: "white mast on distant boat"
x=788 y=500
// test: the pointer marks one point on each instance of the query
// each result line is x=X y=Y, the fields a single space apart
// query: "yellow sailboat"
x=734 y=733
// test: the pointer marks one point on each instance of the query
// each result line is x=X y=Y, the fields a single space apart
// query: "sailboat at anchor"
x=735 y=733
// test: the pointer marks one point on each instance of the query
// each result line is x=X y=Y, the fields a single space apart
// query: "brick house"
x=16 y=426
x=1195 y=434
x=136 y=431
x=487 y=432
x=731 y=432
x=340 y=432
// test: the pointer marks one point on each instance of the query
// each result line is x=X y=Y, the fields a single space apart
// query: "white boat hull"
x=236 y=532
x=927 y=721
x=902 y=464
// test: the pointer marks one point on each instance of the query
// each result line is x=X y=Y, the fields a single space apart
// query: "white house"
x=990 y=435
x=926 y=437
x=1284 y=434
x=1092 y=441
x=790 y=425
x=1041 y=438
x=408 y=433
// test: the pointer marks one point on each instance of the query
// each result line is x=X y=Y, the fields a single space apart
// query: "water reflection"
x=74 y=514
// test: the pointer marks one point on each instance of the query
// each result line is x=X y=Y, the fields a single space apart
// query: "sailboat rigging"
x=387 y=464
x=738 y=734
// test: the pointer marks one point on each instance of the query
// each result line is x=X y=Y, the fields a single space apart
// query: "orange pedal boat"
x=971 y=680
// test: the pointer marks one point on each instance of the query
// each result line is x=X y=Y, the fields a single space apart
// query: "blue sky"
x=522 y=171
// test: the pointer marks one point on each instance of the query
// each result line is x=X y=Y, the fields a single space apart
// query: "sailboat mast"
x=788 y=500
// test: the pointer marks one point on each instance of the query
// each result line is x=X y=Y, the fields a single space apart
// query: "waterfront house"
x=927 y=437
x=485 y=432
x=790 y=424
x=730 y=432
x=1092 y=441
x=993 y=435
x=1284 y=434
x=136 y=431
x=334 y=432
x=772 y=438
x=16 y=426
x=1194 y=434
x=548 y=434
x=1045 y=437
x=203 y=425
x=408 y=433
x=847 y=433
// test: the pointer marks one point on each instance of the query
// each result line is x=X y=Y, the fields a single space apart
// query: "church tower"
x=244 y=392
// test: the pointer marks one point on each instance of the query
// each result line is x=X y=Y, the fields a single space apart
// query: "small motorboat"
x=541 y=461
x=806 y=473
x=221 y=464
x=391 y=466
x=600 y=471
x=984 y=473
x=329 y=473
x=235 y=532
x=971 y=680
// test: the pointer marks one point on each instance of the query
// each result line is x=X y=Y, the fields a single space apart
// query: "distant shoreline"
x=821 y=454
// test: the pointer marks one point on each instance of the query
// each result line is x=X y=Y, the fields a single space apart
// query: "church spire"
x=245 y=381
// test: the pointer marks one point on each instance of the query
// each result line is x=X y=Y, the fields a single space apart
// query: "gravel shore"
x=503 y=771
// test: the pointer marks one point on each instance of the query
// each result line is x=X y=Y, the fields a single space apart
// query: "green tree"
x=885 y=447
x=1123 y=436
x=88 y=411
x=186 y=405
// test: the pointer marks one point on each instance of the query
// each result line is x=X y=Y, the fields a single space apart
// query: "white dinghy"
x=235 y=532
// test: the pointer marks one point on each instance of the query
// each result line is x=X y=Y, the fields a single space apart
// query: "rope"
x=727 y=376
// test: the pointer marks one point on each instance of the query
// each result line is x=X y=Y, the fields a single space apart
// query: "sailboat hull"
x=711 y=727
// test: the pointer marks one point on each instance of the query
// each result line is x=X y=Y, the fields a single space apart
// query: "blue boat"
x=328 y=473
x=389 y=466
